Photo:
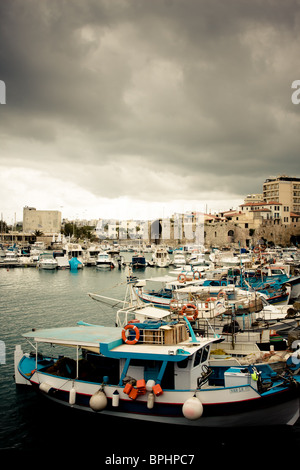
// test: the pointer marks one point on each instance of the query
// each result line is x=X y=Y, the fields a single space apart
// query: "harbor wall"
x=230 y=234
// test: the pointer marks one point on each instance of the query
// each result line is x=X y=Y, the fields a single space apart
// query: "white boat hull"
x=76 y=394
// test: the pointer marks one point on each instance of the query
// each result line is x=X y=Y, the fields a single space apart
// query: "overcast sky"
x=138 y=108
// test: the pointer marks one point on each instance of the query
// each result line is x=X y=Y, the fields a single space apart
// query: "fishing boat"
x=276 y=293
x=138 y=261
x=267 y=274
x=158 y=290
x=210 y=300
x=242 y=341
x=153 y=372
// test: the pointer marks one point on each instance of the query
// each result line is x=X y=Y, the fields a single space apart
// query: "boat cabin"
x=162 y=354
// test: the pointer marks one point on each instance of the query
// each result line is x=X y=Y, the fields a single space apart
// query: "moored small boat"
x=138 y=261
x=154 y=372
x=161 y=258
x=47 y=261
x=105 y=261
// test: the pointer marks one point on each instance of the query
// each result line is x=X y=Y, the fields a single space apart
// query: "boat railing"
x=163 y=333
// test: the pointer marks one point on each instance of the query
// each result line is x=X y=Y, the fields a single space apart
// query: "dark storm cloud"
x=193 y=95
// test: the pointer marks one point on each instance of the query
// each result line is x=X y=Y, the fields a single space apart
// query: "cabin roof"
x=149 y=312
x=77 y=335
x=108 y=341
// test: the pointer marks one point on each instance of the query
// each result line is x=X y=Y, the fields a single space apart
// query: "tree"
x=4 y=227
x=68 y=229
x=78 y=232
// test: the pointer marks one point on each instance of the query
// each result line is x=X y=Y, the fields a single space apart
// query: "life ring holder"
x=188 y=306
x=137 y=334
x=198 y=275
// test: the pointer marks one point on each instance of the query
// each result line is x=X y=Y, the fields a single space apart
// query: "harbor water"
x=34 y=298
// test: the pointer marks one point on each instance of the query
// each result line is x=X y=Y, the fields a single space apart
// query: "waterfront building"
x=266 y=211
x=47 y=222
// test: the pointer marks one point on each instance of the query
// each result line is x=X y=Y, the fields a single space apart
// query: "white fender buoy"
x=44 y=387
x=98 y=401
x=192 y=408
x=150 y=400
x=149 y=384
x=115 y=398
x=72 y=396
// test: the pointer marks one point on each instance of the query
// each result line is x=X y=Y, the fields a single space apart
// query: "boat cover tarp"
x=74 y=262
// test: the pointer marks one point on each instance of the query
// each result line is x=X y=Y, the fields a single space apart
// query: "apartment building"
x=254 y=198
x=286 y=191
x=266 y=211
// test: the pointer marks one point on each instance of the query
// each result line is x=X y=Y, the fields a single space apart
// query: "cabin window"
x=201 y=356
x=183 y=364
x=197 y=359
x=205 y=353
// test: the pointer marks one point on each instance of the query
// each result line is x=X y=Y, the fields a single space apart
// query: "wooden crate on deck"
x=166 y=334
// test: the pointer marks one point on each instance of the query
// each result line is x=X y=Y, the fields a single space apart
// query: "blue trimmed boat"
x=156 y=372
x=138 y=261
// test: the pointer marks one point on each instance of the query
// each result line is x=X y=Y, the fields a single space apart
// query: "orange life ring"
x=209 y=299
x=188 y=306
x=199 y=275
x=222 y=294
x=181 y=277
x=137 y=334
x=259 y=248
